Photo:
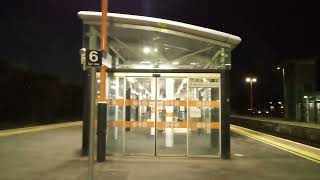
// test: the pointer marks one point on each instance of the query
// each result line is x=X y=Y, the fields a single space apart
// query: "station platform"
x=53 y=152
x=303 y=132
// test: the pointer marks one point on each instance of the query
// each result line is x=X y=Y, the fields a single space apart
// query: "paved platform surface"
x=280 y=120
x=55 y=154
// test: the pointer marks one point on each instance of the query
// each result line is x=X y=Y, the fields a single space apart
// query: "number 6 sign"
x=94 y=57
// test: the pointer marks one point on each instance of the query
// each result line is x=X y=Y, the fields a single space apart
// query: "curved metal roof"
x=94 y=17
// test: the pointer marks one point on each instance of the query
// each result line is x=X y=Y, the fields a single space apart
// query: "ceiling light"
x=145 y=62
x=146 y=50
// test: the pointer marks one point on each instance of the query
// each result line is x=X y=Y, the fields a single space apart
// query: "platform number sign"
x=93 y=58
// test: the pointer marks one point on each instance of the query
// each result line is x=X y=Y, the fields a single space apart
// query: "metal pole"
x=104 y=42
x=91 y=123
x=251 y=95
x=102 y=106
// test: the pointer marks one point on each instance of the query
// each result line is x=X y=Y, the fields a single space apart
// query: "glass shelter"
x=168 y=86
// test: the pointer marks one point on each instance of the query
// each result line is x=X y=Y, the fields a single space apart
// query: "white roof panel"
x=91 y=16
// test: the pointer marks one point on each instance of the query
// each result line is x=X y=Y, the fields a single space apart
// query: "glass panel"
x=139 y=123
x=139 y=47
x=171 y=116
x=115 y=116
x=204 y=117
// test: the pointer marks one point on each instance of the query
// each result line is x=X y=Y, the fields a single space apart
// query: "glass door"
x=171 y=116
x=204 y=117
x=139 y=116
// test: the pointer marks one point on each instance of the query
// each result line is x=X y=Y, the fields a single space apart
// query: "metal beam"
x=191 y=54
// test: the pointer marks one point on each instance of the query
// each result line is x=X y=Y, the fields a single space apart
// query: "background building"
x=301 y=90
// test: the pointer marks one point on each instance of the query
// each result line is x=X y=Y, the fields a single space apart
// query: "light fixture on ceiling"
x=146 y=50
x=145 y=62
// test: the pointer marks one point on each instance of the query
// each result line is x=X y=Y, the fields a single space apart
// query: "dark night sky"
x=46 y=35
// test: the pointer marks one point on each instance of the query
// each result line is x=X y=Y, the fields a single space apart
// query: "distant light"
x=278 y=68
x=279 y=102
x=281 y=107
x=166 y=48
x=272 y=107
x=267 y=112
x=175 y=63
x=98 y=81
x=98 y=91
x=240 y=155
x=146 y=50
x=270 y=102
x=193 y=63
x=145 y=62
x=249 y=109
x=248 y=79
x=259 y=112
x=254 y=79
x=228 y=64
x=155 y=50
x=305 y=97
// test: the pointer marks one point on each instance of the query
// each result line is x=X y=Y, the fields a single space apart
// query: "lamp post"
x=251 y=80
x=284 y=90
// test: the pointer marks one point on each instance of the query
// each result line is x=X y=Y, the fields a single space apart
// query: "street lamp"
x=283 y=89
x=251 y=80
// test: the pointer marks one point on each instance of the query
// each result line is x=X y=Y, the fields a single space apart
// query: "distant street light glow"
x=254 y=79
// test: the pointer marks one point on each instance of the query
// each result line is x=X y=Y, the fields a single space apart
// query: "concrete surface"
x=297 y=131
x=55 y=154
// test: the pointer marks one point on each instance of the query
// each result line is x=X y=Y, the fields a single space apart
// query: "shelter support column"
x=225 y=115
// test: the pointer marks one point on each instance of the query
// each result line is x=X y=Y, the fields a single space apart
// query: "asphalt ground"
x=54 y=154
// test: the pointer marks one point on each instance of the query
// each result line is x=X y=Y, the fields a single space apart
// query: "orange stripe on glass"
x=146 y=102
x=163 y=124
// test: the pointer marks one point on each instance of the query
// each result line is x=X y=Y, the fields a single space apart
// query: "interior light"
x=145 y=62
x=146 y=50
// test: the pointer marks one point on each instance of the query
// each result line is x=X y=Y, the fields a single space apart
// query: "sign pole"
x=92 y=72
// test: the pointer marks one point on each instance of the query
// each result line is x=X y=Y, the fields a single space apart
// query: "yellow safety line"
x=11 y=132
x=266 y=139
